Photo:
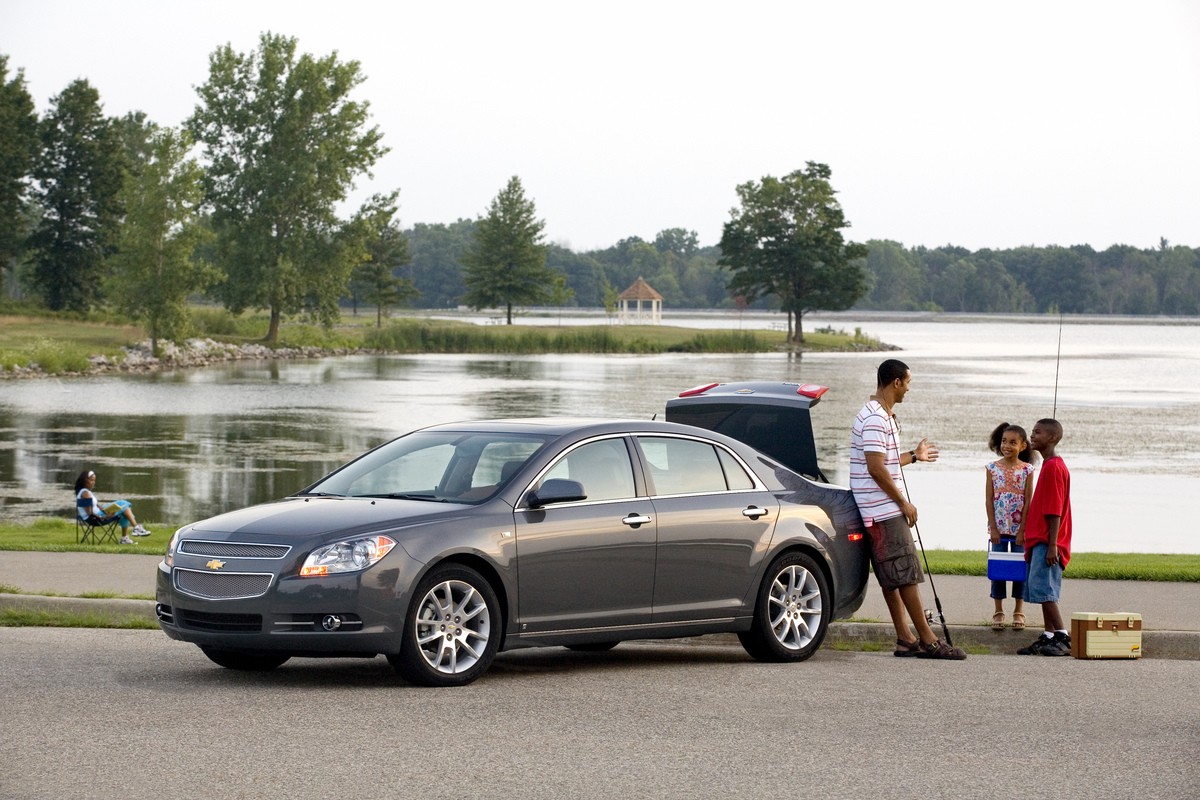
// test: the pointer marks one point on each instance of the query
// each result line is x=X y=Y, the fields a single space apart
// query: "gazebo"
x=633 y=298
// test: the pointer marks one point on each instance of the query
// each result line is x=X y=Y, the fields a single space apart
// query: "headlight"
x=348 y=556
x=169 y=558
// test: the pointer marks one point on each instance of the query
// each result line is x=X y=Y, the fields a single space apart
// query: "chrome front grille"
x=196 y=547
x=222 y=585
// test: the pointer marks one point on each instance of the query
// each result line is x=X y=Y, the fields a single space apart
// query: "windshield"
x=451 y=467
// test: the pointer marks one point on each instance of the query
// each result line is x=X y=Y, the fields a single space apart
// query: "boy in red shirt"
x=1048 y=540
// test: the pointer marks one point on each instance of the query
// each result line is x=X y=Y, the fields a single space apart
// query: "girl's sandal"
x=1018 y=620
x=998 y=621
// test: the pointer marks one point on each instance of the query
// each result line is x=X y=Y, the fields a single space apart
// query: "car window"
x=686 y=466
x=435 y=466
x=498 y=462
x=602 y=467
x=416 y=473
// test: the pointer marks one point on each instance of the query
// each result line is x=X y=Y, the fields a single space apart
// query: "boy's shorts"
x=893 y=557
x=1043 y=584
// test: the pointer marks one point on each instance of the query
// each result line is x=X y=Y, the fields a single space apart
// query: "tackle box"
x=1114 y=635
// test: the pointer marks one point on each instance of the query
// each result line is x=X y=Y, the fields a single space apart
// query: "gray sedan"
x=448 y=544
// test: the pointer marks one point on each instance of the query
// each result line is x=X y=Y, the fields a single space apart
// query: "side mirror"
x=556 y=490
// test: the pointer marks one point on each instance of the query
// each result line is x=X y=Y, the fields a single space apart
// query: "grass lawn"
x=58 y=535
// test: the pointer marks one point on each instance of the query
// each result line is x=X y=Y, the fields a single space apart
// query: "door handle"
x=754 y=512
x=636 y=520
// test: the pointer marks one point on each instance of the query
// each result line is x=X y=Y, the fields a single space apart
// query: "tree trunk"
x=509 y=317
x=273 y=328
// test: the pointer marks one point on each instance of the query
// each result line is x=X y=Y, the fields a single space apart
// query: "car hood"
x=301 y=517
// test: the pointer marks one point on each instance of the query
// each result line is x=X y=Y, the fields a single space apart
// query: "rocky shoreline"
x=139 y=358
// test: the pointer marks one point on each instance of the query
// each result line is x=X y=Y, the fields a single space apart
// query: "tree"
x=79 y=174
x=18 y=150
x=154 y=269
x=375 y=279
x=786 y=240
x=681 y=242
x=436 y=268
x=284 y=143
x=507 y=262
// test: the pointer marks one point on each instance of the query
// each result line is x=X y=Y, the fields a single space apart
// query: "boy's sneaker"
x=126 y=540
x=1057 y=645
x=1060 y=645
x=1035 y=649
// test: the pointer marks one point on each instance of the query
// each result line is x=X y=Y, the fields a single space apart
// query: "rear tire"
x=246 y=661
x=793 y=611
x=452 y=629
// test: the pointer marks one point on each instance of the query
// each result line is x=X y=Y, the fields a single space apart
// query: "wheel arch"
x=489 y=573
x=811 y=549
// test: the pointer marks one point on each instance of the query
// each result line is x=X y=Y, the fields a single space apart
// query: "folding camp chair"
x=91 y=529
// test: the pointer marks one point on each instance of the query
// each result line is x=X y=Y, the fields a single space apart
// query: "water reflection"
x=184 y=445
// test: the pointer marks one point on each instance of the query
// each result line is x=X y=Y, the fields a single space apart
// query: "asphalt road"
x=130 y=714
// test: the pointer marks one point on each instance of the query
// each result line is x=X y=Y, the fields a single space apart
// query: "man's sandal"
x=1018 y=620
x=998 y=621
x=905 y=649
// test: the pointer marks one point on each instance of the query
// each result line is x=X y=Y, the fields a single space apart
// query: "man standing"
x=875 y=463
x=1048 y=540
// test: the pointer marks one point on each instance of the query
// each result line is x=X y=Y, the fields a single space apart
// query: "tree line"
x=239 y=205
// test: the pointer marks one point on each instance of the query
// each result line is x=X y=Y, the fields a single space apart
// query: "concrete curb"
x=1179 y=645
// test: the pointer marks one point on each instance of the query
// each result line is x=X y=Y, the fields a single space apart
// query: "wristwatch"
x=912 y=454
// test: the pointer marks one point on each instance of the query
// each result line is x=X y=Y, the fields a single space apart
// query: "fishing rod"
x=937 y=601
x=1057 y=363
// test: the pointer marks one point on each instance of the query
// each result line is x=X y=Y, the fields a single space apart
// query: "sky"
x=979 y=124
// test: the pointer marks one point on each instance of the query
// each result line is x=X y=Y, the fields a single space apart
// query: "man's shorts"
x=1043 y=584
x=893 y=557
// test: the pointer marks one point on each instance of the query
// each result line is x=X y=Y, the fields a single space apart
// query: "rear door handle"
x=754 y=512
x=636 y=520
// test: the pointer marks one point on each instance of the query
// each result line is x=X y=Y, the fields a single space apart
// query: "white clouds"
x=979 y=124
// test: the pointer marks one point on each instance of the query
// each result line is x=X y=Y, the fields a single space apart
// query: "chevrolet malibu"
x=451 y=543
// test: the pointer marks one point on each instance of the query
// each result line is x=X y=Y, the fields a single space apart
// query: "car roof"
x=558 y=426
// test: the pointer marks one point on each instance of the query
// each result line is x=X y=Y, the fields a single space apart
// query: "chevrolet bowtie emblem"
x=215 y=564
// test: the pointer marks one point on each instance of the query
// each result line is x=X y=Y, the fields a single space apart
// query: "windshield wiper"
x=408 y=496
x=317 y=494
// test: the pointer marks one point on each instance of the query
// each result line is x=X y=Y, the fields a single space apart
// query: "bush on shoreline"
x=35 y=347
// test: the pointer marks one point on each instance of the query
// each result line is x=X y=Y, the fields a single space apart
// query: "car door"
x=714 y=525
x=589 y=563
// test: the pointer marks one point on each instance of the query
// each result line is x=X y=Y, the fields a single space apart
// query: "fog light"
x=331 y=622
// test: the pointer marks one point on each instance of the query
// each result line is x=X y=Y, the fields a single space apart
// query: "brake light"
x=812 y=390
x=695 y=390
x=855 y=537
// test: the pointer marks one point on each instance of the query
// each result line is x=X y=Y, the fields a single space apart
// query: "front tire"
x=246 y=661
x=452 y=629
x=791 y=616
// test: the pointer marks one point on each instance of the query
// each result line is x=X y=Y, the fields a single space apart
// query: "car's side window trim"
x=652 y=490
x=639 y=484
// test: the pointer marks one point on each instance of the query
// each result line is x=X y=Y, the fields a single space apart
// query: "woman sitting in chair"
x=88 y=506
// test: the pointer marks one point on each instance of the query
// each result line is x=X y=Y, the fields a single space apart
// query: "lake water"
x=187 y=444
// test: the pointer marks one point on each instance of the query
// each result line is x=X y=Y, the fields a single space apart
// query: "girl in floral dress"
x=1009 y=487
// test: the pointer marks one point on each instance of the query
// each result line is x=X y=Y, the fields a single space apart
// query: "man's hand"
x=910 y=513
x=926 y=450
x=1051 y=555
